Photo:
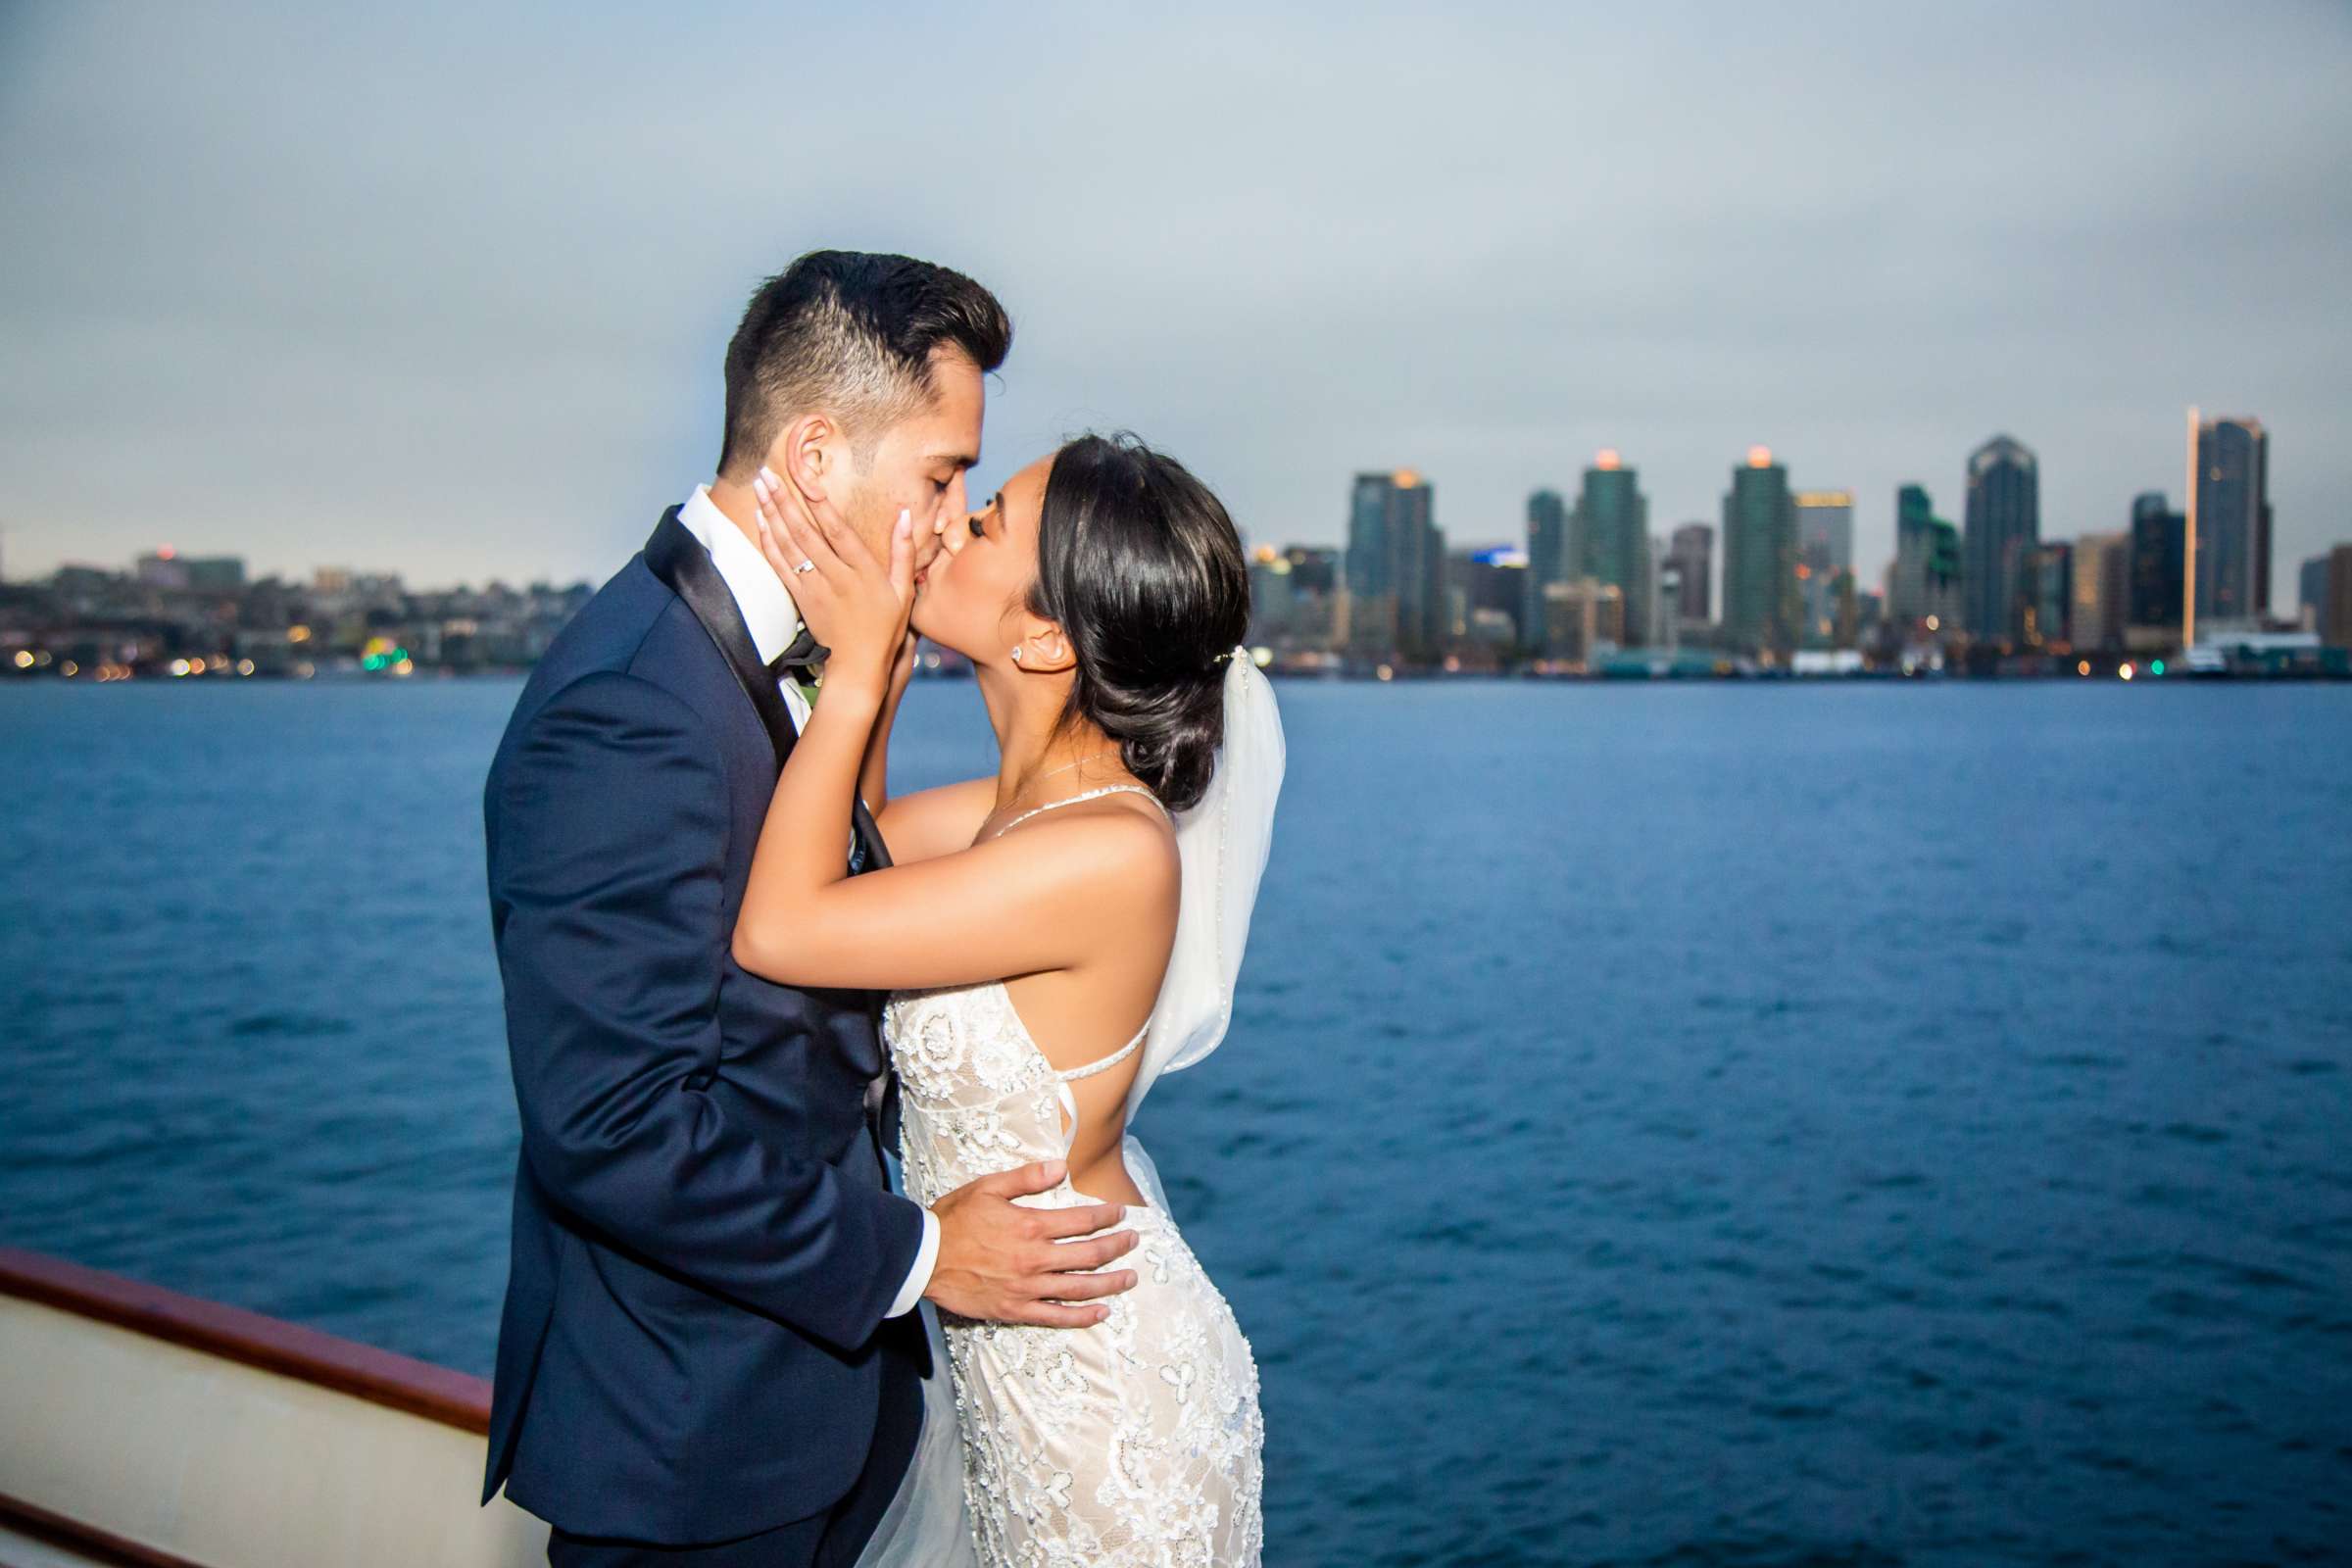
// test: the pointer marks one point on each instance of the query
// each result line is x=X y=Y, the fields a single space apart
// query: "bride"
x=1096 y=890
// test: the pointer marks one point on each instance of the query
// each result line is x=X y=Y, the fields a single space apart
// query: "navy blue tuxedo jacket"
x=704 y=1239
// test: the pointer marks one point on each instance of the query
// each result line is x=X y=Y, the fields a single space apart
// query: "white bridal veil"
x=1221 y=844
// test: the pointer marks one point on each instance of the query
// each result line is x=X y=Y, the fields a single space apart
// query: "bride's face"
x=973 y=595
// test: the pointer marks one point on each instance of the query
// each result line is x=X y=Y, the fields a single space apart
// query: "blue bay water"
x=1664 y=1125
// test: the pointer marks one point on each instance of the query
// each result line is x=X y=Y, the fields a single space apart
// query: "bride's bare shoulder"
x=936 y=821
x=1121 y=838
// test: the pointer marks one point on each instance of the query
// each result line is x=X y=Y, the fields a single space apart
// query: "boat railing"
x=140 y=1426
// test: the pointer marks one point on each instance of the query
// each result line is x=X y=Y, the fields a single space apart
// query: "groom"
x=709 y=1352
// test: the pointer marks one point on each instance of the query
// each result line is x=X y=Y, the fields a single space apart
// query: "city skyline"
x=468 y=324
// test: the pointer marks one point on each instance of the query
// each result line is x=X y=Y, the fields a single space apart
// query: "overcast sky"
x=422 y=289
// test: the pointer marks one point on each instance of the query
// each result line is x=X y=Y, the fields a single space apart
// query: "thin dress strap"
x=1062 y=1077
x=1084 y=795
x=1066 y=1074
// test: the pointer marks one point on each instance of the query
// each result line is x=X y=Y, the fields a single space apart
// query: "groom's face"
x=918 y=463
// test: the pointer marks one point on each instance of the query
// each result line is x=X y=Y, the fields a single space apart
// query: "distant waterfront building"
x=1482 y=584
x=1294 y=597
x=1845 y=610
x=1395 y=566
x=1547 y=558
x=216 y=573
x=2310 y=591
x=2229 y=521
x=1825 y=547
x=1612 y=526
x=1315 y=569
x=1760 y=607
x=2002 y=523
x=2103 y=591
x=162 y=568
x=1583 y=620
x=2335 y=611
x=1693 y=556
x=1270 y=606
x=2159 y=574
x=1922 y=590
x=2048 y=596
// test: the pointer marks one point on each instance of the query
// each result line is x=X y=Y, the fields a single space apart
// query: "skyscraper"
x=2335 y=615
x=1546 y=559
x=1613 y=524
x=2310 y=591
x=1270 y=606
x=1371 y=584
x=2002 y=522
x=2159 y=564
x=2048 y=596
x=1693 y=556
x=1759 y=556
x=1825 y=547
x=2231 y=515
x=1395 y=566
x=2103 y=591
x=1923 y=592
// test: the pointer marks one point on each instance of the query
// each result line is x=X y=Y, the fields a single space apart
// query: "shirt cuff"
x=919 y=1278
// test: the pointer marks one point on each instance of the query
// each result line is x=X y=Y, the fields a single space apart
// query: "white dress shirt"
x=774 y=622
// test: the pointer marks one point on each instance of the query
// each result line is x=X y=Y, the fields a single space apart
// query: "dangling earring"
x=1016 y=656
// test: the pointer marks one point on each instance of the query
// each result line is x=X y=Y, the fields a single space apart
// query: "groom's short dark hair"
x=851 y=332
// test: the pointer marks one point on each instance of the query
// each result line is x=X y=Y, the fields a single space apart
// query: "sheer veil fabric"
x=1222 y=843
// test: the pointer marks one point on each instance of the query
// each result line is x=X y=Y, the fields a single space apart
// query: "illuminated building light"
x=24 y=659
x=2083 y=669
x=244 y=666
x=179 y=666
x=1404 y=478
x=1759 y=456
x=71 y=669
x=1608 y=460
x=2156 y=666
x=2124 y=670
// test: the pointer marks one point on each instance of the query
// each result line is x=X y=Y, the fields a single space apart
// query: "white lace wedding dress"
x=1134 y=1441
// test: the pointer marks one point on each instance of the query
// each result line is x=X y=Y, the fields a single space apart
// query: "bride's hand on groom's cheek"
x=855 y=604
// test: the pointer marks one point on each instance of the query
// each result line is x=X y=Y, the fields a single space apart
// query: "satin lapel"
x=680 y=561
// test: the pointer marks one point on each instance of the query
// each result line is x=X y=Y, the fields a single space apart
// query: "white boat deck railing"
x=142 y=1427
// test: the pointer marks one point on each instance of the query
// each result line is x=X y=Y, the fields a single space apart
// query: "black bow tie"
x=804 y=652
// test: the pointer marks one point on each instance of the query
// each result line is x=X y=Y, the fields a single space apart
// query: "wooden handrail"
x=419 y=1388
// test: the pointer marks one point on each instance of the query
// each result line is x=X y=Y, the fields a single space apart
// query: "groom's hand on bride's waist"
x=1011 y=1263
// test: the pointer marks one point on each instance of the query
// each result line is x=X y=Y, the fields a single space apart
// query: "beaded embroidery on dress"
x=1137 y=1440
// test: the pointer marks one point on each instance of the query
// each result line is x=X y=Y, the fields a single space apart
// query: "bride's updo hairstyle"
x=1140 y=568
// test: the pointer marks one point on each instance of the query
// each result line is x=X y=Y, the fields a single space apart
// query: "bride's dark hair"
x=1140 y=568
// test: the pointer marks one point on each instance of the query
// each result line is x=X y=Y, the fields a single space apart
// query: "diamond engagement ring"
x=805 y=566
